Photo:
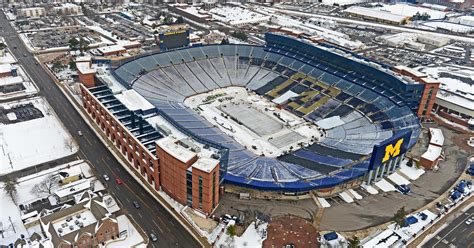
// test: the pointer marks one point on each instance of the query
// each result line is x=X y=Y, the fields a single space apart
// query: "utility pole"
x=10 y=218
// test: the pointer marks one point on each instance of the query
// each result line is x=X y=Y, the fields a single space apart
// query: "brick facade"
x=161 y=170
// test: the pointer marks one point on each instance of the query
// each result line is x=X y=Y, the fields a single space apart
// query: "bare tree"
x=45 y=186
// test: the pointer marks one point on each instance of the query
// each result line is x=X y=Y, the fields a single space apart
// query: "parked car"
x=79 y=133
x=153 y=237
x=106 y=178
x=118 y=181
x=403 y=188
x=136 y=204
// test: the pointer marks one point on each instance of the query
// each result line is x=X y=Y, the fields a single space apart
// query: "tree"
x=2 y=46
x=45 y=186
x=10 y=187
x=73 y=44
x=399 y=217
x=72 y=65
x=231 y=231
x=83 y=45
x=240 y=35
x=179 y=20
x=354 y=242
x=57 y=66
x=225 y=41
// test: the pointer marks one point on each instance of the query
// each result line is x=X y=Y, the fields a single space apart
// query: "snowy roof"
x=71 y=223
x=134 y=101
x=111 y=49
x=409 y=10
x=10 y=80
x=5 y=68
x=84 y=68
x=433 y=153
x=283 y=98
x=437 y=137
x=170 y=146
x=374 y=13
x=205 y=164
x=73 y=188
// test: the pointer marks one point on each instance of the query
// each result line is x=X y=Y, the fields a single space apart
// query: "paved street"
x=456 y=234
x=152 y=217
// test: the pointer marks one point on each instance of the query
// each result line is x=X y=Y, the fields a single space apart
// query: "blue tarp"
x=330 y=236
x=410 y=221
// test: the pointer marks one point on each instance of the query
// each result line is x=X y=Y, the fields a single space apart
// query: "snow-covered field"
x=33 y=142
x=25 y=195
x=268 y=144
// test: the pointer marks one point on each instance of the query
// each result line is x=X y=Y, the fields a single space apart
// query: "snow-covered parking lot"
x=28 y=143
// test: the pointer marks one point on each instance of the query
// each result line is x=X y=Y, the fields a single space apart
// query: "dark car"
x=403 y=188
x=136 y=205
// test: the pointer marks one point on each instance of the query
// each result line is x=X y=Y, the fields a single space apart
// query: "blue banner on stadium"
x=389 y=148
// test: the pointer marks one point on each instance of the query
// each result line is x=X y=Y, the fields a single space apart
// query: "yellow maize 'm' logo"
x=392 y=150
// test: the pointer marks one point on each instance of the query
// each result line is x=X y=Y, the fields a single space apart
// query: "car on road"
x=24 y=55
x=136 y=205
x=118 y=181
x=403 y=188
x=469 y=221
x=153 y=237
x=79 y=133
x=106 y=178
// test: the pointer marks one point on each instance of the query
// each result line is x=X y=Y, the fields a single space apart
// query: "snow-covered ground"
x=252 y=237
x=25 y=195
x=132 y=238
x=29 y=143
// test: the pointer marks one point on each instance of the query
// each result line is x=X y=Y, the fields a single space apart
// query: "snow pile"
x=252 y=237
x=33 y=142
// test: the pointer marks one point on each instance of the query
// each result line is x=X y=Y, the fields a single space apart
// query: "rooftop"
x=170 y=145
x=74 y=222
x=205 y=164
x=134 y=101
x=110 y=49
x=437 y=137
x=5 y=68
x=374 y=13
x=433 y=153
x=73 y=188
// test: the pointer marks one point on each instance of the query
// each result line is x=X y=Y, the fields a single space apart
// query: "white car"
x=106 y=178
x=469 y=221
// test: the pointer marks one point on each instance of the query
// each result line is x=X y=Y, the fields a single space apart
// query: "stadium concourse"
x=366 y=102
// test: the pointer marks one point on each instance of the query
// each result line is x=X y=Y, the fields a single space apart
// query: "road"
x=152 y=217
x=456 y=234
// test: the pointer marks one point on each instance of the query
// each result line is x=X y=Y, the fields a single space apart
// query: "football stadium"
x=290 y=116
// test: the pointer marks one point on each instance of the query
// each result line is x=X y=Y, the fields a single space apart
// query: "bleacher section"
x=370 y=109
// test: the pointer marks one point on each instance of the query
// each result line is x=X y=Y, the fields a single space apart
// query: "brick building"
x=431 y=87
x=86 y=224
x=177 y=166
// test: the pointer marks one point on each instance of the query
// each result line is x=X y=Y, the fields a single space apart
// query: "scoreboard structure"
x=176 y=36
